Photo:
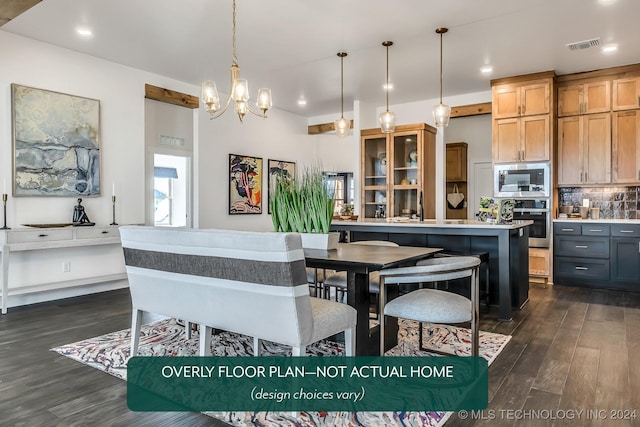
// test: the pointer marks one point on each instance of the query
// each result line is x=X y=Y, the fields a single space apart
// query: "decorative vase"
x=326 y=241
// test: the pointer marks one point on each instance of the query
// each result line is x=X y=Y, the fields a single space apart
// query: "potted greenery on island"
x=305 y=206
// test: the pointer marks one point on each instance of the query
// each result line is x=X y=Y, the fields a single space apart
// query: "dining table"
x=358 y=261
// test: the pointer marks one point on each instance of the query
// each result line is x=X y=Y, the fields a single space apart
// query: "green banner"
x=307 y=383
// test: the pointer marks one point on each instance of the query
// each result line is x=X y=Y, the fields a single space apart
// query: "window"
x=170 y=190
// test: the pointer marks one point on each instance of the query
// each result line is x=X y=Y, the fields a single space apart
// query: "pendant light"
x=441 y=112
x=342 y=125
x=239 y=92
x=388 y=118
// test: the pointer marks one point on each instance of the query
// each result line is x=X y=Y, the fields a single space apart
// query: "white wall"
x=120 y=90
x=282 y=136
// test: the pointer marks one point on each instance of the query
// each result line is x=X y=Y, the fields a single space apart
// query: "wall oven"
x=522 y=180
x=536 y=210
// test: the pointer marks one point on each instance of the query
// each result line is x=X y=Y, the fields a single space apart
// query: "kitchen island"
x=507 y=245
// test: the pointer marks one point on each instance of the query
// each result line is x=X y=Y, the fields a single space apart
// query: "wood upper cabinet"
x=626 y=147
x=584 y=149
x=456 y=157
x=586 y=98
x=626 y=93
x=515 y=100
x=522 y=139
x=522 y=118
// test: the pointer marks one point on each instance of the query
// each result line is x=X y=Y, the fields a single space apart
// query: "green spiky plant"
x=302 y=206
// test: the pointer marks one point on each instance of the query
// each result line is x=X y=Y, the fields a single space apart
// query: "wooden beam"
x=324 y=127
x=471 y=110
x=170 y=96
x=459 y=111
x=9 y=9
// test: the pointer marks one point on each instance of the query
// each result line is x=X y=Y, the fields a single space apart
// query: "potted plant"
x=305 y=206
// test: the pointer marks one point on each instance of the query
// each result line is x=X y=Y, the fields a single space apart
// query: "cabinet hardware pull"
x=626 y=231
x=639 y=246
x=42 y=235
x=581 y=268
x=580 y=176
x=585 y=177
x=582 y=246
x=105 y=232
x=519 y=108
x=524 y=108
x=567 y=229
x=596 y=231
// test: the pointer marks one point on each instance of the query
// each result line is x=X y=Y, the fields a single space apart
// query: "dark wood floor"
x=572 y=349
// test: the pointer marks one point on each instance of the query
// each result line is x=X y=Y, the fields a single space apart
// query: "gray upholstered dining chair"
x=338 y=280
x=432 y=305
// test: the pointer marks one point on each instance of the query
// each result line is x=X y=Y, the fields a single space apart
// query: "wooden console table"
x=44 y=239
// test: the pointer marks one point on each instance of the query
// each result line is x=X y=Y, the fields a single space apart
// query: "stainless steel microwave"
x=521 y=180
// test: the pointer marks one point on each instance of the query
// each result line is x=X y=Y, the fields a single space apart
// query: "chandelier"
x=342 y=125
x=388 y=118
x=239 y=92
x=441 y=112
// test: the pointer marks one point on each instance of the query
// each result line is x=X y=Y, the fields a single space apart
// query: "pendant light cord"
x=387 y=78
x=234 y=57
x=342 y=87
x=440 y=67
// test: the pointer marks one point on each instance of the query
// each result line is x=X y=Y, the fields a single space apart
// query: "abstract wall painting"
x=56 y=149
x=245 y=184
x=278 y=169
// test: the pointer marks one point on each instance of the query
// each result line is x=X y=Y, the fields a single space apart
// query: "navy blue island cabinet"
x=506 y=244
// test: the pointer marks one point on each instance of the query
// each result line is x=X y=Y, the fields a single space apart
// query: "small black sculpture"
x=80 y=216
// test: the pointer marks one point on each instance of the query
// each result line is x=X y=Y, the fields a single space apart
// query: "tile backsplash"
x=614 y=202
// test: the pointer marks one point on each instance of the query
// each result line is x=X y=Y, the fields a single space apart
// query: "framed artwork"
x=56 y=150
x=278 y=168
x=245 y=184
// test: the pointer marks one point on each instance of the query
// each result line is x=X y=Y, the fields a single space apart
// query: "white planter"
x=320 y=241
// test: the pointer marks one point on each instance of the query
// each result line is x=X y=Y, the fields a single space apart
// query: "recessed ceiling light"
x=486 y=69
x=302 y=102
x=84 y=32
x=610 y=48
x=389 y=87
x=607 y=2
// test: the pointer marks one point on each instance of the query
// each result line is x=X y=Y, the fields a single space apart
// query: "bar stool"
x=338 y=280
x=315 y=279
x=432 y=305
x=484 y=269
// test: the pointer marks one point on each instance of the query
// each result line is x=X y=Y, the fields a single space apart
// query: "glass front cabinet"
x=397 y=168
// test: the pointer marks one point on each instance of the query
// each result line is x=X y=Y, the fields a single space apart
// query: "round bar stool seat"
x=431 y=305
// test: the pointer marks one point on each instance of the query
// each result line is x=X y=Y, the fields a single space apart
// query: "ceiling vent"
x=585 y=44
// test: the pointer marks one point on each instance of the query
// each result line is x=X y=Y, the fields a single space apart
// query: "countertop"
x=601 y=220
x=449 y=223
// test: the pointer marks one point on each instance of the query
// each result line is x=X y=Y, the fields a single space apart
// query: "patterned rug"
x=110 y=352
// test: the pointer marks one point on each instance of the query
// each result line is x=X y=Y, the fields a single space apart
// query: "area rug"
x=110 y=352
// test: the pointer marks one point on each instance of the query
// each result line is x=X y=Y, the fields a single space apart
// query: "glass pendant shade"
x=342 y=126
x=241 y=90
x=210 y=96
x=264 y=99
x=441 y=115
x=387 y=122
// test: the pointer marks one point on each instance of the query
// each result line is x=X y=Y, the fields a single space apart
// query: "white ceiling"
x=290 y=46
